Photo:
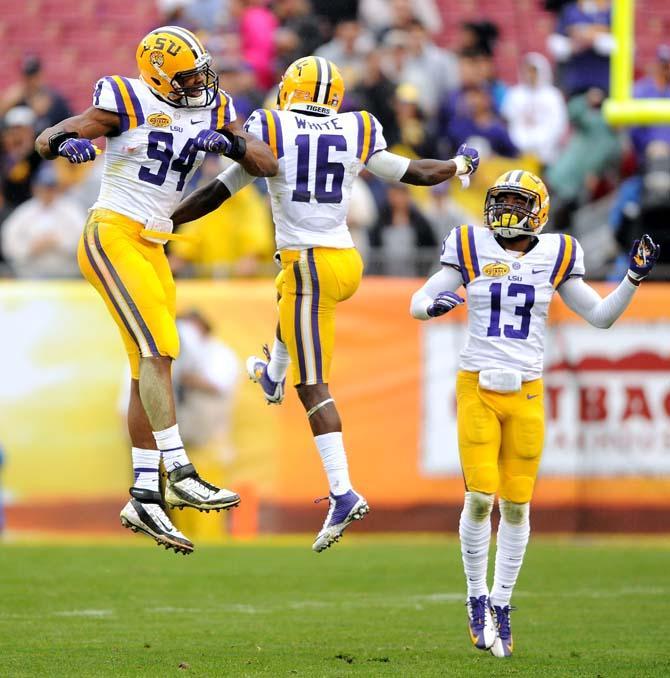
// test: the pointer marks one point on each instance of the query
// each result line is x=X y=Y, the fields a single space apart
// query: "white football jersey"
x=151 y=160
x=319 y=158
x=508 y=295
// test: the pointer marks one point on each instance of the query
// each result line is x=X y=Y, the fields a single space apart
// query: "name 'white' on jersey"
x=508 y=295
x=319 y=158
x=150 y=161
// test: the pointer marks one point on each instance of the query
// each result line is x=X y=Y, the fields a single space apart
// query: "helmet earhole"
x=156 y=82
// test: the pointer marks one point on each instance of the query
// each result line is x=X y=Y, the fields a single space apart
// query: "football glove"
x=443 y=303
x=643 y=257
x=470 y=158
x=212 y=142
x=77 y=150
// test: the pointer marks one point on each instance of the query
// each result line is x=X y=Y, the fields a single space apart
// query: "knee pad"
x=478 y=506
x=517 y=489
x=482 y=478
x=513 y=513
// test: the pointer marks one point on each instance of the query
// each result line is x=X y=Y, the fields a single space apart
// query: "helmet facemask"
x=196 y=96
x=514 y=217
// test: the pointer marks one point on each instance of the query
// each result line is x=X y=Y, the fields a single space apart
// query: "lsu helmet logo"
x=156 y=58
x=496 y=269
x=159 y=120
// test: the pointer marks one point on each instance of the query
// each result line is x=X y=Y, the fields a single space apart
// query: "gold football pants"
x=134 y=279
x=500 y=437
x=312 y=282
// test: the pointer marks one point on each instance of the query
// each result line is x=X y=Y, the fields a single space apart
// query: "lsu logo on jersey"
x=495 y=269
x=159 y=120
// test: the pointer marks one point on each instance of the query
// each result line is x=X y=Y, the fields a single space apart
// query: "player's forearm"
x=587 y=303
x=429 y=172
x=447 y=279
x=202 y=201
x=91 y=124
x=258 y=160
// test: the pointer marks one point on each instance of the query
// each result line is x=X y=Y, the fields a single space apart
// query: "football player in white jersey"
x=320 y=153
x=510 y=273
x=158 y=128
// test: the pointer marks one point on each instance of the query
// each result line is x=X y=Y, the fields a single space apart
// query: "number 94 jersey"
x=319 y=158
x=508 y=295
x=151 y=160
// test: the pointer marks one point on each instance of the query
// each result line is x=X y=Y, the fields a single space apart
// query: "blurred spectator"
x=257 y=25
x=39 y=239
x=535 y=110
x=382 y=15
x=475 y=116
x=239 y=80
x=299 y=32
x=235 y=239
x=399 y=235
x=49 y=107
x=477 y=37
x=582 y=43
x=195 y=15
x=416 y=134
x=592 y=151
x=331 y=12
x=431 y=69
x=655 y=86
x=19 y=161
x=348 y=49
x=486 y=65
x=373 y=93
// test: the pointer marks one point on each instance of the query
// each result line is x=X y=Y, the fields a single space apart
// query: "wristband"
x=462 y=166
x=55 y=140
x=238 y=146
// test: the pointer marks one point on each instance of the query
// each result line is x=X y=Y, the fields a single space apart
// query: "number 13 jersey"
x=151 y=160
x=319 y=158
x=508 y=295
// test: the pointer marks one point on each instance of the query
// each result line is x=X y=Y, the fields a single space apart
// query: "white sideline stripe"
x=83 y=613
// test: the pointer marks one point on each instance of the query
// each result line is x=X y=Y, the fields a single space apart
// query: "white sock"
x=145 y=468
x=172 y=449
x=279 y=360
x=513 y=533
x=474 y=530
x=334 y=460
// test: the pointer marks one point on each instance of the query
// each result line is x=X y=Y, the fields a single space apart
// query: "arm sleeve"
x=388 y=166
x=447 y=279
x=235 y=178
x=587 y=303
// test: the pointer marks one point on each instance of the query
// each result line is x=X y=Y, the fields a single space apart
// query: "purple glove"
x=643 y=257
x=471 y=157
x=77 y=150
x=443 y=303
x=212 y=142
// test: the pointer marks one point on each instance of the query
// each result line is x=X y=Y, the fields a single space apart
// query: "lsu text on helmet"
x=312 y=85
x=517 y=204
x=175 y=65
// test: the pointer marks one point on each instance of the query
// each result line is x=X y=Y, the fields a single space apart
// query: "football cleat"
x=481 y=628
x=145 y=512
x=503 y=645
x=343 y=510
x=257 y=369
x=184 y=487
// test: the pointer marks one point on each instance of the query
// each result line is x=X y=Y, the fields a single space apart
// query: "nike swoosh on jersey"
x=531 y=395
x=538 y=270
x=197 y=122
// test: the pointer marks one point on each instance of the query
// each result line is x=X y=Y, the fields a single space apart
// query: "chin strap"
x=318 y=406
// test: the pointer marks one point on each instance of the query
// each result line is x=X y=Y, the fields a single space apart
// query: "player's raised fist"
x=643 y=257
x=77 y=150
x=470 y=158
x=212 y=142
x=443 y=303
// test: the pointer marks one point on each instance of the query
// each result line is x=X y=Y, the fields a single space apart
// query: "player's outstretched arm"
x=207 y=198
x=602 y=313
x=437 y=296
x=71 y=137
x=259 y=160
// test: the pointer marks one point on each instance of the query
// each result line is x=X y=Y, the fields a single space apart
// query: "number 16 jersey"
x=319 y=157
x=508 y=295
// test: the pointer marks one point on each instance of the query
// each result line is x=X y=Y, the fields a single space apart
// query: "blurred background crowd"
x=521 y=80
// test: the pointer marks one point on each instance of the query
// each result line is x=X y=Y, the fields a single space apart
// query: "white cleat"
x=184 y=487
x=481 y=627
x=145 y=513
x=257 y=369
x=343 y=510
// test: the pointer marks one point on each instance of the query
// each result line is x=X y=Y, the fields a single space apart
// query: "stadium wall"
x=606 y=465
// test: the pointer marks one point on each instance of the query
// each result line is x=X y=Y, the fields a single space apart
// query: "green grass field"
x=369 y=607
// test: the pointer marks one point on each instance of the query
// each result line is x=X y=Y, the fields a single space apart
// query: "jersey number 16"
x=324 y=169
